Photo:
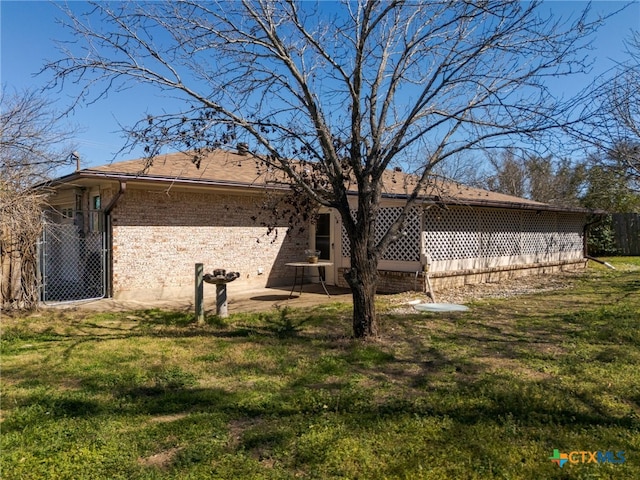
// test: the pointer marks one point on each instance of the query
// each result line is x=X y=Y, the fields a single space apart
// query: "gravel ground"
x=400 y=303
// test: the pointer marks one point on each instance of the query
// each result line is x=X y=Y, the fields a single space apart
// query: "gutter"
x=469 y=202
x=585 y=249
x=585 y=240
x=124 y=177
x=606 y=264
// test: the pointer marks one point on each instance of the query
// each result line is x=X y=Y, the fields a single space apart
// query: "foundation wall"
x=396 y=282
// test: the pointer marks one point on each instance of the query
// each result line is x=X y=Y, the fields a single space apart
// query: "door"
x=324 y=242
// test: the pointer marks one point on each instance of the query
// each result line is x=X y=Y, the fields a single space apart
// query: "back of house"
x=129 y=230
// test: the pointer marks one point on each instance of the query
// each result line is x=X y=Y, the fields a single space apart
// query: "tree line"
x=600 y=182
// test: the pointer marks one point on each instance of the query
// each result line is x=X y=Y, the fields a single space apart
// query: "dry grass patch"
x=161 y=460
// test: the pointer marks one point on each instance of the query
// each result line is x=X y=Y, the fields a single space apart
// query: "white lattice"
x=570 y=229
x=473 y=233
x=458 y=233
x=346 y=244
x=500 y=233
x=406 y=248
x=538 y=232
x=451 y=233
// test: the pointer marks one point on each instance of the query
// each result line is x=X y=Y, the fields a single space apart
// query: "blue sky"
x=29 y=28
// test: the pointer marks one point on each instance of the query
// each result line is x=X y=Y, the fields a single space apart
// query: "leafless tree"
x=509 y=174
x=540 y=178
x=625 y=105
x=615 y=117
x=33 y=143
x=333 y=94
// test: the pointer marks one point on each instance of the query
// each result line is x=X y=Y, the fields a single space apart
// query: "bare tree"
x=558 y=182
x=614 y=117
x=625 y=105
x=32 y=145
x=333 y=94
x=540 y=178
x=510 y=175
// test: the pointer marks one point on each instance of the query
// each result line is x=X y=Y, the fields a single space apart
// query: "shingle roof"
x=218 y=166
x=228 y=168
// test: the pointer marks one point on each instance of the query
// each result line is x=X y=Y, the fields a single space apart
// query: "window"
x=67 y=212
x=95 y=222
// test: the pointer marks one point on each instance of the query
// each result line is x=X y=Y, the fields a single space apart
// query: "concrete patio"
x=261 y=300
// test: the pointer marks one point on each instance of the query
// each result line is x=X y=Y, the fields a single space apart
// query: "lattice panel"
x=406 y=248
x=451 y=234
x=346 y=244
x=570 y=232
x=538 y=233
x=464 y=233
x=500 y=233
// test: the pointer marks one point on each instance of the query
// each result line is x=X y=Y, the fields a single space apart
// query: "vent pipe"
x=76 y=156
x=243 y=148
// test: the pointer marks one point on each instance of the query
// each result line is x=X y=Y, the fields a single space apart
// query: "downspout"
x=114 y=200
x=585 y=250
x=109 y=239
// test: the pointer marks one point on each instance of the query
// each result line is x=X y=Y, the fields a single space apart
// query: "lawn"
x=488 y=393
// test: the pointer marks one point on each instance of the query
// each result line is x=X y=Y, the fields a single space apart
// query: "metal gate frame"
x=74 y=259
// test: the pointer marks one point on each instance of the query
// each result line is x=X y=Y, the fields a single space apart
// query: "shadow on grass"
x=468 y=402
x=338 y=397
x=467 y=370
x=632 y=286
x=282 y=323
x=156 y=323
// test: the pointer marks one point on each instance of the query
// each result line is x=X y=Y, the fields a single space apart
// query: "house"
x=127 y=232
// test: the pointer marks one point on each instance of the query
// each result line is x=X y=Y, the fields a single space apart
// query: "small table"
x=300 y=266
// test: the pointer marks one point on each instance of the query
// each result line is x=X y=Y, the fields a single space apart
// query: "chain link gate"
x=73 y=258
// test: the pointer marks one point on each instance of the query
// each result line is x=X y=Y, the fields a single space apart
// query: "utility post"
x=199 y=294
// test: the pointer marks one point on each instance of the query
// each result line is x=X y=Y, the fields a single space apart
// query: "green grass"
x=488 y=393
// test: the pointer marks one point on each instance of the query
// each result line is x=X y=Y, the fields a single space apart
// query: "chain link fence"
x=73 y=258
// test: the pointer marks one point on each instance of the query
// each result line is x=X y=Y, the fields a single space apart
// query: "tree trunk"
x=5 y=278
x=362 y=277
x=19 y=289
x=15 y=279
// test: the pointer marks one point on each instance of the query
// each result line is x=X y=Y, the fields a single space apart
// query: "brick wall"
x=158 y=237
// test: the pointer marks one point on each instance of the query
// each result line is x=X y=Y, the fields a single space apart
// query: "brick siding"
x=158 y=237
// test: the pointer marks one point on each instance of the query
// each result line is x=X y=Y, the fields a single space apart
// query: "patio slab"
x=260 y=300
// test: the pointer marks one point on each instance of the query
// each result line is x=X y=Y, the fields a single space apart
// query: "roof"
x=218 y=166
x=229 y=169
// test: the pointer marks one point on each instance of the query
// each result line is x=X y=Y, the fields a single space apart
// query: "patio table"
x=300 y=271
